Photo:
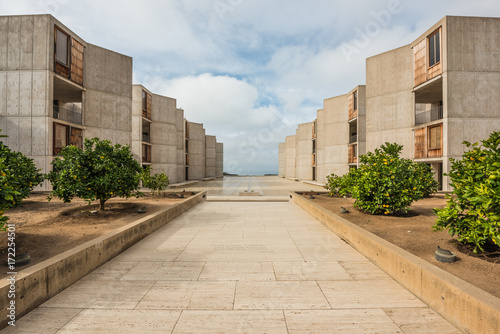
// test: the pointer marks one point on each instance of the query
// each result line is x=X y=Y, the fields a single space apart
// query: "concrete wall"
x=108 y=98
x=281 y=159
x=361 y=120
x=290 y=157
x=197 y=146
x=25 y=87
x=472 y=80
x=333 y=137
x=389 y=100
x=304 y=151
x=166 y=132
x=210 y=156
x=219 y=159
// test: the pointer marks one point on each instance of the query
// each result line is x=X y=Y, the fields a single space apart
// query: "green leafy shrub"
x=385 y=183
x=340 y=186
x=98 y=172
x=473 y=210
x=18 y=177
x=389 y=184
x=157 y=182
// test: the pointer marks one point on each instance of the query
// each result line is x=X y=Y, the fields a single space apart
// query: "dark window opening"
x=65 y=135
x=62 y=47
x=434 y=49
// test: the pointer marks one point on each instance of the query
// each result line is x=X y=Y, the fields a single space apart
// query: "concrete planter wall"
x=469 y=308
x=42 y=281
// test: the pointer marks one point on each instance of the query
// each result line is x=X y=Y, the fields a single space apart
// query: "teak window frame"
x=68 y=47
x=429 y=133
x=436 y=47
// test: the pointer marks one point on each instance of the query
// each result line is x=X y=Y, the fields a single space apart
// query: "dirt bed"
x=414 y=234
x=45 y=229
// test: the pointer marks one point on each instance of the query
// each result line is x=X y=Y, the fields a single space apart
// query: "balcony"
x=429 y=116
x=146 y=138
x=353 y=139
x=73 y=115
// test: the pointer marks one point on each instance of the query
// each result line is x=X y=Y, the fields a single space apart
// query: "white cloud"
x=250 y=70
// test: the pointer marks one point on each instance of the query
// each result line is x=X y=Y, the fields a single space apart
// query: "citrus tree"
x=473 y=210
x=385 y=183
x=157 y=182
x=100 y=171
x=18 y=177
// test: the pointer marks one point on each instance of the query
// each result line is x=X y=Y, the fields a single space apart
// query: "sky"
x=250 y=70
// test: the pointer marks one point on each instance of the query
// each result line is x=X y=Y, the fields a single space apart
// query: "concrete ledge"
x=314 y=183
x=183 y=184
x=247 y=198
x=208 y=179
x=42 y=281
x=467 y=307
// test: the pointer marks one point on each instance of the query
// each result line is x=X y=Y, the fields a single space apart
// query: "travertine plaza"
x=429 y=96
x=233 y=266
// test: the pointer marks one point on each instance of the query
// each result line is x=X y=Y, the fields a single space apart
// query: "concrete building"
x=429 y=96
x=219 y=159
x=389 y=100
x=195 y=151
x=210 y=157
x=305 y=160
x=158 y=133
x=56 y=89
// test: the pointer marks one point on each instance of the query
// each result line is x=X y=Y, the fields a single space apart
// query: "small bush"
x=98 y=172
x=473 y=211
x=340 y=186
x=385 y=183
x=18 y=177
x=157 y=182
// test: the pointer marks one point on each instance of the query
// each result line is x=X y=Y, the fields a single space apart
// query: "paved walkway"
x=237 y=268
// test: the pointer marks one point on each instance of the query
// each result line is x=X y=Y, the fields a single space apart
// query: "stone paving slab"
x=232 y=267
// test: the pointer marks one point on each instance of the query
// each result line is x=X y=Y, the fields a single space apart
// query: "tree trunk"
x=102 y=204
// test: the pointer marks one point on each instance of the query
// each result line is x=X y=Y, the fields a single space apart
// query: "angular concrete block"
x=25 y=93
x=26 y=49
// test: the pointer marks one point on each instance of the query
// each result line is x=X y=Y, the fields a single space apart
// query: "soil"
x=414 y=234
x=45 y=229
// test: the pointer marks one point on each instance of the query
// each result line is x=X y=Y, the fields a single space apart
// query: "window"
x=60 y=137
x=144 y=101
x=355 y=100
x=434 y=136
x=65 y=135
x=434 y=49
x=62 y=47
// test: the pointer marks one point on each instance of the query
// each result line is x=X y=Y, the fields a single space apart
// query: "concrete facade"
x=195 y=151
x=219 y=159
x=210 y=157
x=158 y=133
x=429 y=96
x=304 y=159
x=56 y=90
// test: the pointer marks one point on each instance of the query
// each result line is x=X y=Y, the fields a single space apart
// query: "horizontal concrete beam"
x=467 y=307
x=44 y=280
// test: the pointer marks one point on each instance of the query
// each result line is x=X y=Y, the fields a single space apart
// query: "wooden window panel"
x=76 y=137
x=60 y=138
x=76 y=61
x=420 y=144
